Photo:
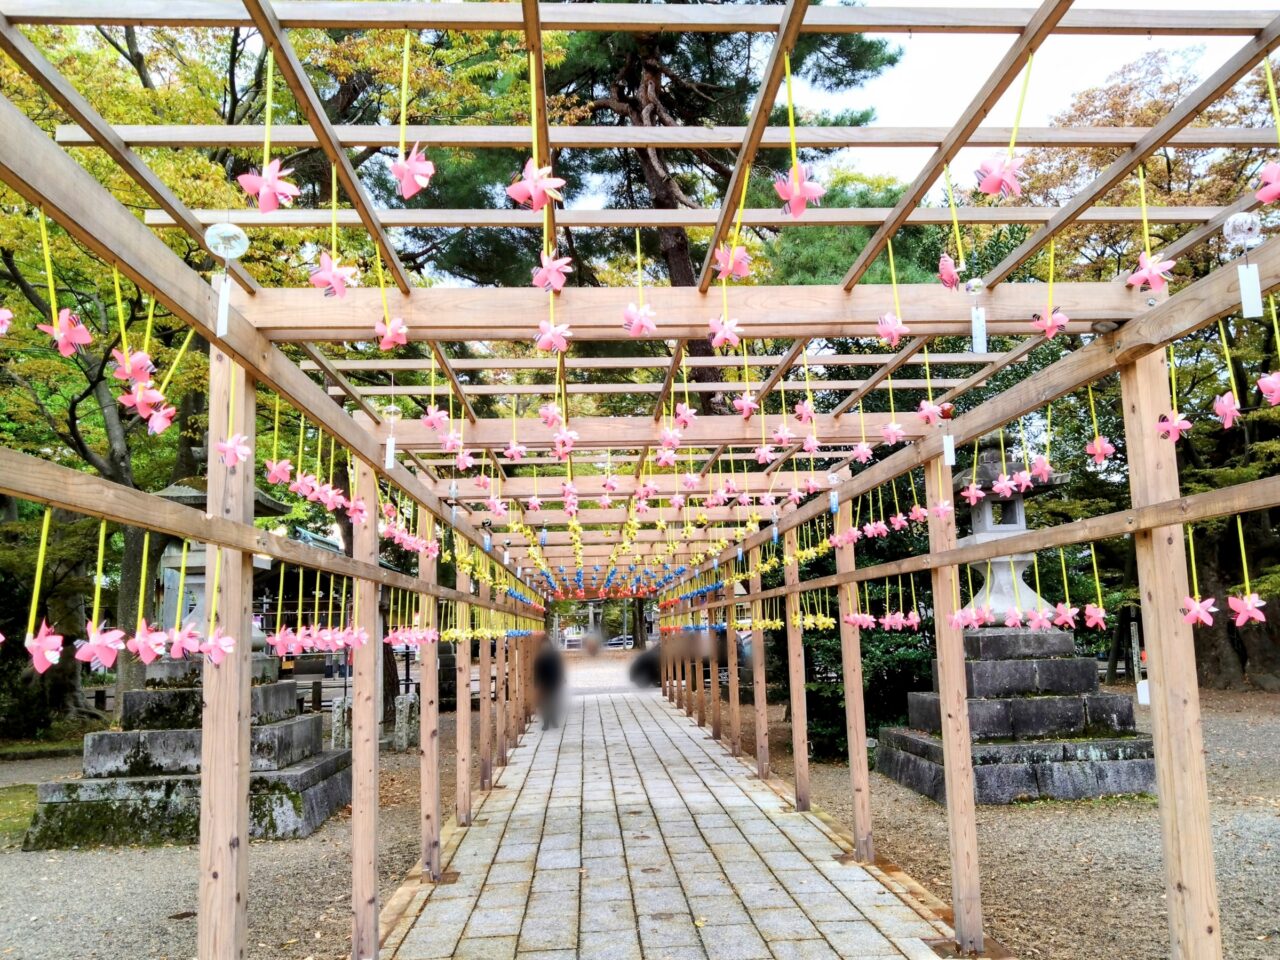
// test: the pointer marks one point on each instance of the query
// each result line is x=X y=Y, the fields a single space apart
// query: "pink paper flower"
x=551 y=415
x=810 y=444
x=414 y=172
x=685 y=415
x=1196 y=612
x=783 y=435
x=891 y=329
x=862 y=451
x=304 y=484
x=765 y=454
x=677 y=501
x=732 y=264
x=463 y=460
x=1152 y=272
x=1003 y=486
x=135 y=367
x=268 y=187
x=609 y=483
x=804 y=411
x=689 y=481
x=947 y=273
x=744 y=499
x=533 y=504
x=68 y=334
x=45 y=648
x=1100 y=449
x=161 y=418
x=1050 y=324
x=394 y=333
x=451 y=442
x=552 y=274
x=1172 y=426
x=185 y=640
x=6 y=318
x=1039 y=620
x=331 y=498
x=972 y=493
x=1269 y=384
x=746 y=405
x=217 y=646
x=234 y=450
x=357 y=512
x=665 y=457
x=639 y=321
x=333 y=278
x=562 y=442
x=917 y=513
x=1065 y=616
x=1022 y=479
x=1013 y=618
x=795 y=496
x=148 y=643
x=535 y=187
x=552 y=336
x=1001 y=176
x=515 y=452
x=1247 y=608
x=929 y=412
x=796 y=190
x=101 y=645
x=1041 y=469
x=1095 y=617
x=497 y=506
x=435 y=418
x=892 y=433
x=670 y=439
x=1269 y=192
x=725 y=332
x=942 y=508
x=142 y=399
x=1226 y=409
x=278 y=471
x=899 y=521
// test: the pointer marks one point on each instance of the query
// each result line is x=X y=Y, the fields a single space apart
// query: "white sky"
x=939 y=74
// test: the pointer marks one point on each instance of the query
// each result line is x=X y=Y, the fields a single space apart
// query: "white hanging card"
x=949 y=449
x=390 y=461
x=978 y=318
x=1250 y=291
x=224 y=303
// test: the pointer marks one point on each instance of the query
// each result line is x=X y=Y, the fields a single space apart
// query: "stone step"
x=1008 y=773
x=1011 y=678
x=1008 y=643
x=179 y=708
x=292 y=802
x=138 y=753
x=263 y=668
x=1018 y=718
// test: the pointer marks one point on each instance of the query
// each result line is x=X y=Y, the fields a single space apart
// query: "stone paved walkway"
x=630 y=834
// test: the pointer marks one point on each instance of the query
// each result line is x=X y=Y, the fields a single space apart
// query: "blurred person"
x=548 y=679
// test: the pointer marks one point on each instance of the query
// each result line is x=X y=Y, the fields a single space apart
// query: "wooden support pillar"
x=795 y=674
x=429 y=716
x=759 y=696
x=462 y=665
x=735 y=705
x=1185 y=826
x=957 y=758
x=690 y=651
x=224 y=748
x=486 y=701
x=664 y=657
x=854 y=713
x=365 y=736
x=699 y=672
x=500 y=703
x=713 y=675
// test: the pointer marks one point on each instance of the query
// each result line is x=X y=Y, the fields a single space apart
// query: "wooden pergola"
x=1127 y=331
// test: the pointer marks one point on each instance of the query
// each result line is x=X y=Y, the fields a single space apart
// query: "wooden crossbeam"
x=1041 y=24
x=343 y=386
x=1016 y=355
x=1186 y=110
x=591 y=487
x=94 y=126
x=598 y=389
x=538 y=123
x=1210 y=228
x=505 y=313
x=387 y=364
x=792 y=18
x=479 y=137
x=632 y=17
x=664 y=394
x=881 y=375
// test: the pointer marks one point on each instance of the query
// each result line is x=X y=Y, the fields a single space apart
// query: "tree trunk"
x=1217 y=663
x=1262 y=654
x=130 y=671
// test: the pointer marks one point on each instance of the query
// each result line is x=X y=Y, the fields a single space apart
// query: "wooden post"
x=486 y=701
x=500 y=703
x=1190 y=885
x=735 y=706
x=795 y=674
x=854 y=713
x=759 y=696
x=686 y=608
x=699 y=688
x=429 y=717
x=462 y=660
x=224 y=749
x=664 y=658
x=713 y=677
x=364 y=737
x=957 y=758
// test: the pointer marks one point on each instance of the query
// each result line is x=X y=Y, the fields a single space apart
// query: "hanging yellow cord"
x=40 y=555
x=97 y=577
x=1226 y=357
x=213 y=597
x=404 y=90
x=955 y=217
x=124 y=336
x=1142 y=202
x=1097 y=581
x=48 y=270
x=270 y=91
x=142 y=581
x=173 y=367
x=182 y=584
x=1244 y=557
x=279 y=599
x=791 y=113
x=146 y=331
x=333 y=211
x=1066 y=591
x=1271 y=94
x=1191 y=556
x=1022 y=99
x=275 y=431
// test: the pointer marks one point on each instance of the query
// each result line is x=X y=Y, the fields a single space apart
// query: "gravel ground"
x=139 y=902
x=38 y=771
x=1084 y=880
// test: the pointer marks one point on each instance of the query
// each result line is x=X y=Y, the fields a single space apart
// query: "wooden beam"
x=735 y=700
x=854 y=713
x=633 y=17
x=677 y=358
x=655 y=362
x=590 y=487
x=429 y=719
x=485 y=701
x=624 y=387
x=787 y=361
x=759 y=689
x=886 y=371
x=789 y=29
x=343 y=385
x=95 y=127
x=796 y=675
x=364 y=738
x=1015 y=60
x=1186 y=826
x=222 y=925
x=957 y=760
x=1183 y=113
x=598 y=137
x=1016 y=355
x=468 y=313
x=1210 y=228
x=539 y=125
x=462 y=710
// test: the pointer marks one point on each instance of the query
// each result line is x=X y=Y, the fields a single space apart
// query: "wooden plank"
x=429 y=719
x=472 y=313
x=1011 y=66
x=624 y=388
x=486 y=702
x=592 y=486
x=1211 y=228
x=538 y=123
x=365 y=734
x=713 y=679
x=632 y=17
x=345 y=386
x=99 y=132
x=854 y=709
x=759 y=689
x=37 y=170
x=796 y=675
x=816 y=360
x=699 y=668
x=462 y=714
x=1186 y=827
x=664 y=394
x=500 y=703
x=222 y=920
x=599 y=137
x=1183 y=113
x=957 y=761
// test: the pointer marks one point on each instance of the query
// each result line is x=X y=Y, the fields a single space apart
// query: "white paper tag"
x=224 y=303
x=1250 y=290
x=1144 y=693
x=390 y=461
x=978 y=318
x=949 y=449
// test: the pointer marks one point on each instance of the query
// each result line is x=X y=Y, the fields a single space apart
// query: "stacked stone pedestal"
x=1040 y=726
x=141 y=784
